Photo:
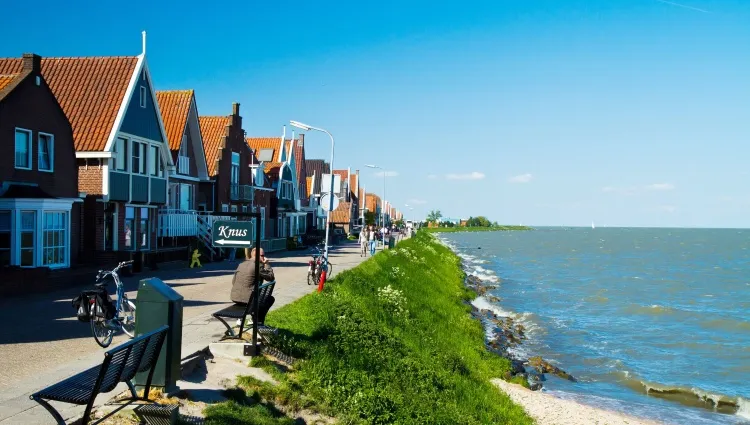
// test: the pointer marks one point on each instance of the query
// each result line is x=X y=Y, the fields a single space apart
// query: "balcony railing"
x=175 y=223
x=241 y=192
x=183 y=165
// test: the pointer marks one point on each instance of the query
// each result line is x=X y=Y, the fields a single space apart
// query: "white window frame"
x=224 y=208
x=244 y=208
x=35 y=238
x=30 y=153
x=233 y=208
x=51 y=152
x=122 y=154
x=142 y=99
x=64 y=242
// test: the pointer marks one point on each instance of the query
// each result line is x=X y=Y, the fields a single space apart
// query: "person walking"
x=371 y=237
x=363 y=238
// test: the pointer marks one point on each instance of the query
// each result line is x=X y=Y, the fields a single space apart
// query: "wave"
x=689 y=396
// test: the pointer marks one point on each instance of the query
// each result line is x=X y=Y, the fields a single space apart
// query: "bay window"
x=5 y=235
x=28 y=236
x=54 y=238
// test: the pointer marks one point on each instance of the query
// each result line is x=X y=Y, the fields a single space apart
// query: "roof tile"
x=213 y=130
x=175 y=109
x=342 y=214
x=90 y=91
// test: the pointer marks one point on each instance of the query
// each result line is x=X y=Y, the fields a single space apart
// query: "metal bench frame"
x=235 y=312
x=120 y=364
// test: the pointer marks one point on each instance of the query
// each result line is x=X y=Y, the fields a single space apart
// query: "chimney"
x=32 y=62
x=302 y=139
x=235 y=108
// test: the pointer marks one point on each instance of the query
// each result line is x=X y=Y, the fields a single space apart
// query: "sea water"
x=652 y=322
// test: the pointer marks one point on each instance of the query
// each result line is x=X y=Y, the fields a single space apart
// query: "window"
x=183 y=145
x=265 y=155
x=224 y=208
x=121 y=161
x=234 y=208
x=136 y=168
x=153 y=161
x=143 y=97
x=128 y=228
x=144 y=229
x=186 y=197
x=55 y=238
x=235 y=168
x=110 y=218
x=5 y=226
x=23 y=149
x=46 y=152
x=244 y=208
x=302 y=225
x=28 y=226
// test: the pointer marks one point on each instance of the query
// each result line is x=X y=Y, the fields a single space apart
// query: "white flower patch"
x=397 y=273
x=393 y=299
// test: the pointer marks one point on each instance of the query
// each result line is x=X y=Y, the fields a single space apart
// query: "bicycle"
x=315 y=267
x=123 y=318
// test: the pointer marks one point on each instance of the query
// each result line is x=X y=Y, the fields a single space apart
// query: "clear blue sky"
x=622 y=112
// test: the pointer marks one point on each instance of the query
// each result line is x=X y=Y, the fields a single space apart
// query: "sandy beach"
x=549 y=410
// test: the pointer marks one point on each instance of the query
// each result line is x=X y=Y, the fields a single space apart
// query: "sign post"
x=239 y=234
x=232 y=234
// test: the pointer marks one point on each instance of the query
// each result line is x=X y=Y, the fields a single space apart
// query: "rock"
x=542 y=366
x=516 y=366
x=493 y=299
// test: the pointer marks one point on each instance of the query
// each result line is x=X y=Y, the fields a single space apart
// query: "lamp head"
x=300 y=125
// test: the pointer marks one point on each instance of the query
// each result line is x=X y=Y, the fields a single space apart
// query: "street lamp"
x=330 y=194
x=382 y=210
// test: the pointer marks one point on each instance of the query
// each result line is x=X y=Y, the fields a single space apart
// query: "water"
x=628 y=311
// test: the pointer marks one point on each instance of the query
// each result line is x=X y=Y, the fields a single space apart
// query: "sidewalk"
x=44 y=343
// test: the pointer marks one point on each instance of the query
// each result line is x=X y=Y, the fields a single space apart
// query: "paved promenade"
x=41 y=342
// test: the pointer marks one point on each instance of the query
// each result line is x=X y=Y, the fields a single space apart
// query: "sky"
x=538 y=112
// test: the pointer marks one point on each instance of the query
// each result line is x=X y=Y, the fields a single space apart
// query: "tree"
x=369 y=218
x=434 y=216
x=399 y=223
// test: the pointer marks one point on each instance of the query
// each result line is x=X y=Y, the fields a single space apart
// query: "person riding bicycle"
x=244 y=280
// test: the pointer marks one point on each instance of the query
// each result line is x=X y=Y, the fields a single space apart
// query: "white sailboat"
x=592 y=225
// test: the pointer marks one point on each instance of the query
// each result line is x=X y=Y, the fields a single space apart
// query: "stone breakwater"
x=505 y=335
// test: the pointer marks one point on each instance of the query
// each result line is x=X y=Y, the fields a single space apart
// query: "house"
x=40 y=207
x=277 y=159
x=315 y=169
x=354 y=197
x=178 y=220
x=121 y=148
x=228 y=160
x=301 y=189
x=342 y=216
x=374 y=205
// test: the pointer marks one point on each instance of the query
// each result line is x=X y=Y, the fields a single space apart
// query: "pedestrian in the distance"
x=371 y=237
x=363 y=239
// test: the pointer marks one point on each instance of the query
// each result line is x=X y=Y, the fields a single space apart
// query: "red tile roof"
x=343 y=173
x=309 y=183
x=372 y=201
x=353 y=184
x=342 y=214
x=5 y=80
x=175 y=109
x=259 y=143
x=90 y=91
x=213 y=130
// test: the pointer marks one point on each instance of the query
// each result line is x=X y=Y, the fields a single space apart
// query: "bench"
x=120 y=365
x=238 y=311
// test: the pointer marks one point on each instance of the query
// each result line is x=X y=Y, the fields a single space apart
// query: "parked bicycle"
x=108 y=316
x=316 y=265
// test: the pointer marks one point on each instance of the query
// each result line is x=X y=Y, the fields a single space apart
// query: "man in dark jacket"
x=244 y=277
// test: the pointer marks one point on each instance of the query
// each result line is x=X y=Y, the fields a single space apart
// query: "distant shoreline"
x=460 y=229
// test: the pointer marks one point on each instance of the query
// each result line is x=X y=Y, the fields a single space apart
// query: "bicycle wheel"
x=103 y=333
x=310 y=278
x=127 y=316
x=329 y=271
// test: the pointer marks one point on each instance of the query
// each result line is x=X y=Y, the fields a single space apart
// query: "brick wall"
x=89 y=176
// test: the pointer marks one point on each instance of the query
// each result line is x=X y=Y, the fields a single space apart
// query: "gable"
x=286 y=173
x=175 y=108
x=141 y=116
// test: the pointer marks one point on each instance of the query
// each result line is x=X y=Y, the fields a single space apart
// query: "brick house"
x=40 y=206
x=228 y=159
x=121 y=148
x=178 y=220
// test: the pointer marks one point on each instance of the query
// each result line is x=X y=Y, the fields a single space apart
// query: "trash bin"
x=157 y=305
x=391 y=242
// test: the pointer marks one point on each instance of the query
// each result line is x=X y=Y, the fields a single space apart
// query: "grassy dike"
x=388 y=342
x=475 y=229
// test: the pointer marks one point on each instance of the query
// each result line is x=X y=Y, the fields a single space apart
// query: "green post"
x=157 y=305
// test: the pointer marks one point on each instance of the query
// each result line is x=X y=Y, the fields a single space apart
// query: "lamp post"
x=330 y=194
x=382 y=209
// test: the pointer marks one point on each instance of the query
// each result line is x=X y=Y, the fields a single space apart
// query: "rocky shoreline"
x=507 y=334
